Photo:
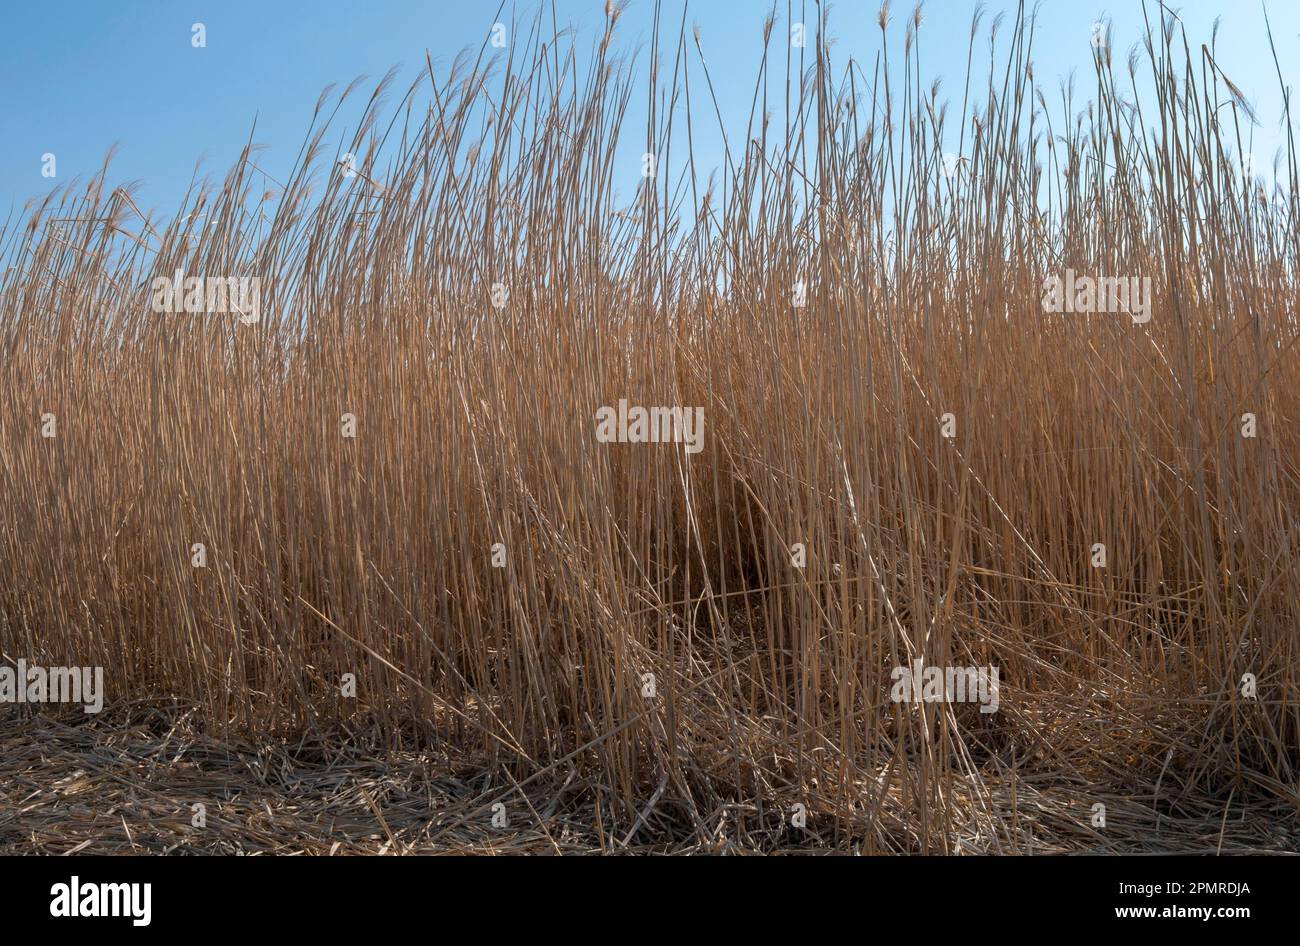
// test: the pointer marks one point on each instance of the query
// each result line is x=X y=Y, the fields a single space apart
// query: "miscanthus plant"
x=383 y=498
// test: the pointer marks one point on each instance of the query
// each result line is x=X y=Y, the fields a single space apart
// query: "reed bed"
x=839 y=299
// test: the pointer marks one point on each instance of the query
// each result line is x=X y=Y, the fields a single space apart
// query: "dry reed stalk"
x=372 y=556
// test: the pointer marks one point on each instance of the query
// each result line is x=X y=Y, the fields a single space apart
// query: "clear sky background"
x=79 y=76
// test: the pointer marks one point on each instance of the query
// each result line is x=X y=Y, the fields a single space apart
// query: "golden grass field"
x=827 y=415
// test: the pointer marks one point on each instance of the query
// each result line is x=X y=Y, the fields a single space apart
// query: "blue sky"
x=78 y=77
